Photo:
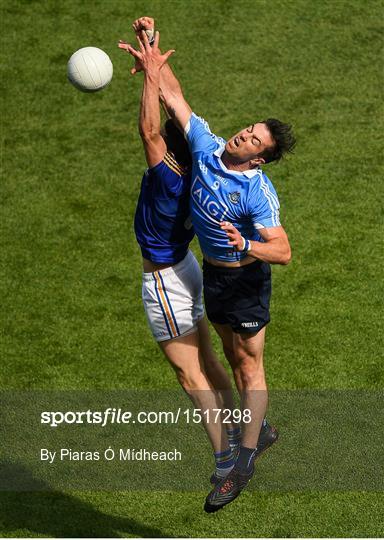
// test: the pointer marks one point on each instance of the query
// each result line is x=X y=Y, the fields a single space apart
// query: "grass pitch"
x=70 y=269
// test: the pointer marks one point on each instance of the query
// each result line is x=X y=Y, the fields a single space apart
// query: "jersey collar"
x=250 y=173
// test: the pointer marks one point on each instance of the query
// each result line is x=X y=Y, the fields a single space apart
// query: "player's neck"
x=232 y=165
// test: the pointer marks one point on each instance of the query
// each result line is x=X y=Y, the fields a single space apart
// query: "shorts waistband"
x=208 y=267
x=176 y=268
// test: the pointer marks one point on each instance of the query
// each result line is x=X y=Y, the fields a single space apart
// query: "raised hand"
x=147 y=58
x=137 y=67
x=144 y=23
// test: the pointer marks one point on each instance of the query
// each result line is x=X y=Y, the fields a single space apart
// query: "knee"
x=191 y=381
x=251 y=373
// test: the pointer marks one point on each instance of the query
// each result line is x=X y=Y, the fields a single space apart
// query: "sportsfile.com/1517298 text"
x=113 y=415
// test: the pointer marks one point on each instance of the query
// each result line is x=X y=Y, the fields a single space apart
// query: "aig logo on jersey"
x=207 y=201
x=234 y=197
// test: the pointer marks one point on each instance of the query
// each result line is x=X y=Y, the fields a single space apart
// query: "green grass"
x=70 y=268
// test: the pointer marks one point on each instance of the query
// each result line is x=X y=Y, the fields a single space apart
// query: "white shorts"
x=173 y=299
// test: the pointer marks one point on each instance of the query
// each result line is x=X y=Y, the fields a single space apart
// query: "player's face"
x=249 y=142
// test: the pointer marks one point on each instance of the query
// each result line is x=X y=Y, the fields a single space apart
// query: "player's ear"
x=256 y=162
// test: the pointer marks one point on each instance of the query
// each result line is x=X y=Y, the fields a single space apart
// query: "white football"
x=90 y=69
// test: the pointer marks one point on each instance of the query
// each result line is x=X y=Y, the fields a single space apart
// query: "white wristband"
x=150 y=35
x=246 y=245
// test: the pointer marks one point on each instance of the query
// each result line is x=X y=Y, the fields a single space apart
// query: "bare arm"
x=171 y=94
x=151 y=61
x=275 y=249
x=149 y=121
x=172 y=97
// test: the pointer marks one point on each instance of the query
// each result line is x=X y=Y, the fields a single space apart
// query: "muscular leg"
x=213 y=367
x=245 y=352
x=183 y=354
x=225 y=333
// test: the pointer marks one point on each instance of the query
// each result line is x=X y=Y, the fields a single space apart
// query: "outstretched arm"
x=151 y=61
x=173 y=99
x=149 y=120
x=171 y=93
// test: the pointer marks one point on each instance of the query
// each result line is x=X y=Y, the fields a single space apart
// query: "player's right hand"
x=148 y=25
x=234 y=237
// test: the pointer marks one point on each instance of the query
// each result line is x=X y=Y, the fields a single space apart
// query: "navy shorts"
x=238 y=296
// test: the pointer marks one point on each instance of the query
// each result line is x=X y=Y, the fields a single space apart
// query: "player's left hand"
x=234 y=237
x=138 y=65
x=149 y=58
x=148 y=25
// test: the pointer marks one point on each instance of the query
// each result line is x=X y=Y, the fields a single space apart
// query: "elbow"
x=142 y=133
x=286 y=257
x=148 y=135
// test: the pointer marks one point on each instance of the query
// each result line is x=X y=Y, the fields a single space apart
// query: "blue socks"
x=243 y=456
x=246 y=456
x=234 y=439
x=224 y=462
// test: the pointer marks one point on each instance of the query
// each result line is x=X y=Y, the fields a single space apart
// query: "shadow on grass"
x=51 y=513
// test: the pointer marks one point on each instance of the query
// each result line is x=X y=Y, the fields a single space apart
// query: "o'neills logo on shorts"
x=253 y=324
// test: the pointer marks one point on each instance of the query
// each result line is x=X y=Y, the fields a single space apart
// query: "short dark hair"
x=283 y=138
x=176 y=143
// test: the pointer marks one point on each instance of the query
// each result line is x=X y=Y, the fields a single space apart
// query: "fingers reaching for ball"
x=122 y=44
x=147 y=57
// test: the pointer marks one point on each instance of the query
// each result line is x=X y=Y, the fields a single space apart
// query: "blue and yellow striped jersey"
x=162 y=224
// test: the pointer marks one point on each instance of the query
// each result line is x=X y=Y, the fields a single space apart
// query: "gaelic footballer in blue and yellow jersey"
x=172 y=292
x=162 y=220
x=246 y=199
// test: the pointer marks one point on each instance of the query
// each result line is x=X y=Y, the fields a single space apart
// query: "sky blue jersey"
x=163 y=226
x=246 y=199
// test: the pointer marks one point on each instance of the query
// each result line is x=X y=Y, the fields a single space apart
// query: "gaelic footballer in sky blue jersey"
x=246 y=199
x=231 y=205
